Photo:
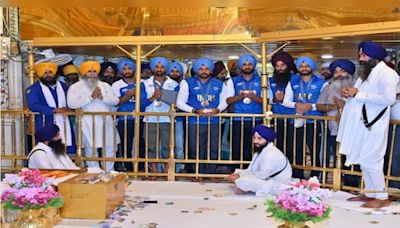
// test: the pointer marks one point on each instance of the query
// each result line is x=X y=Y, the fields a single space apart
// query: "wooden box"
x=91 y=201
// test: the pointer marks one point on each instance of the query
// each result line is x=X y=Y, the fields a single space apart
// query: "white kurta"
x=360 y=145
x=44 y=158
x=79 y=96
x=256 y=177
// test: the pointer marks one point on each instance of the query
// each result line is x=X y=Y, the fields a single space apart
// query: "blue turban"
x=46 y=133
x=373 y=50
x=156 y=60
x=345 y=64
x=246 y=57
x=203 y=61
x=124 y=62
x=175 y=65
x=305 y=59
x=266 y=132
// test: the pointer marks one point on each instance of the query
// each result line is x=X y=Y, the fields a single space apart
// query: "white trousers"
x=88 y=152
x=250 y=183
x=374 y=179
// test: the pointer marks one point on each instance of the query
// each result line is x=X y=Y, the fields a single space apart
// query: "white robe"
x=44 y=158
x=59 y=118
x=256 y=177
x=360 y=145
x=79 y=96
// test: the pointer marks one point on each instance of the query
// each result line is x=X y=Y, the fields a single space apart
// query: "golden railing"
x=16 y=129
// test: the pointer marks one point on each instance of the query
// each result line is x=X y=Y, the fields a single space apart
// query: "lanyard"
x=246 y=84
x=157 y=84
x=304 y=94
x=204 y=94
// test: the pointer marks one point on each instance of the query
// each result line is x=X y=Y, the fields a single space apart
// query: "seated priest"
x=49 y=153
x=269 y=169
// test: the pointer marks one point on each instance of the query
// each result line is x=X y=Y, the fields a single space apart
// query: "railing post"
x=171 y=159
x=78 y=116
x=337 y=171
x=137 y=108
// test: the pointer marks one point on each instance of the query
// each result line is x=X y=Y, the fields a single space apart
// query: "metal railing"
x=305 y=154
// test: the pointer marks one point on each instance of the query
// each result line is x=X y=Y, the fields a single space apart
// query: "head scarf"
x=124 y=62
x=373 y=50
x=70 y=69
x=265 y=132
x=247 y=57
x=40 y=68
x=284 y=57
x=308 y=60
x=86 y=66
x=325 y=65
x=46 y=133
x=345 y=64
x=203 y=62
x=175 y=65
x=156 y=60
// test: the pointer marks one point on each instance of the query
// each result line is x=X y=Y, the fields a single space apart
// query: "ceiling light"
x=327 y=56
x=327 y=38
x=233 y=57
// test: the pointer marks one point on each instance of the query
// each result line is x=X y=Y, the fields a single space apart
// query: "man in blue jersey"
x=206 y=96
x=125 y=89
x=175 y=72
x=246 y=99
x=47 y=96
x=158 y=127
x=302 y=93
x=283 y=69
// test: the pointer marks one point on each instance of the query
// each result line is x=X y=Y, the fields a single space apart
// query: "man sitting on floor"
x=50 y=152
x=268 y=170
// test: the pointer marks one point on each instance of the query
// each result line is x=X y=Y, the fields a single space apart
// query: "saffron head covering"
x=46 y=133
x=86 y=66
x=345 y=64
x=175 y=65
x=70 y=69
x=156 y=60
x=203 y=62
x=373 y=50
x=124 y=62
x=266 y=132
x=231 y=63
x=284 y=57
x=246 y=57
x=40 y=68
x=308 y=60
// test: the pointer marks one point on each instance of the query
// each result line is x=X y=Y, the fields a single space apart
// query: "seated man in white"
x=269 y=169
x=49 y=153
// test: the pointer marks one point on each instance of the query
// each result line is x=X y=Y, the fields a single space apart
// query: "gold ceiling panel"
x=134 y=21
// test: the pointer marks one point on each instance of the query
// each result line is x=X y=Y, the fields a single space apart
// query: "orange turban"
x=40 y=68
x=230 y=63
x=86 y=66
x=70 y=69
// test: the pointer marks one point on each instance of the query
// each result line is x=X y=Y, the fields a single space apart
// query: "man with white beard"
x=93 y=95
x=342 y=71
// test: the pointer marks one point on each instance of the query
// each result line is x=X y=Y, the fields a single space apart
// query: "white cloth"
x=58 y=118
x=43 y=157
x=79 y=96
x=169 y=84
x=256 y=177
x=395 y=110
x=183 y=96
x=360 y=145
x=374 y=180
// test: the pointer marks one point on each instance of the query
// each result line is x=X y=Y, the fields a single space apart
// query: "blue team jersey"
x=204 y=96
x=307 y=92
x=278 y=108
x=240 y=84
x=120 y=89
